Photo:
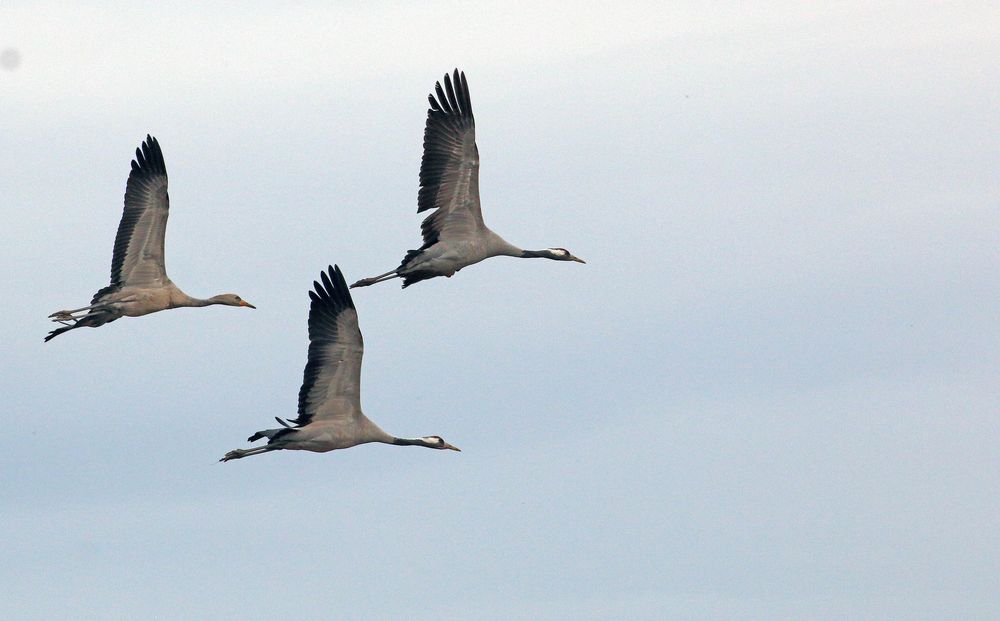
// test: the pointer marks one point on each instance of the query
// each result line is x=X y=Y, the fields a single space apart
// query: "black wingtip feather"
x=330 y=298
x=332 y=292
x=453 y=98
x=328 y=286
x=442 y=98
x=149 y=158
x=448 y=119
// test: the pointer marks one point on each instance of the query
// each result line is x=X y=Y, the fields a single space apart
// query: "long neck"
x=190 y=301
x=498 y=246
x=408 y=442
x=178 y=299
x=535 y=254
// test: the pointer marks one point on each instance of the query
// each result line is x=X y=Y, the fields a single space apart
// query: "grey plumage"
x=454 y=235
x=139 y=283
x=329 y=414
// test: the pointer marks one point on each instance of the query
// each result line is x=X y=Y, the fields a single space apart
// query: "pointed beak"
x=452 y=448
x=577 y=259
x=247 y=304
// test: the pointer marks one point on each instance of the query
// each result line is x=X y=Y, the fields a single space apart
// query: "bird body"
x=455 y=235
x=445 y=258
x=329 y=415
x=139 y=283
x=139 y=301
x=325 y=435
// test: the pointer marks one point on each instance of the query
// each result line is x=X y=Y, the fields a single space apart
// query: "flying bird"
x=455 y=235
x=139 y=283
x=330 y=415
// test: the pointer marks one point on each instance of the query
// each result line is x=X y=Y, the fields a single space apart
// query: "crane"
x=139 y=283
x=454 y=235
x=329 y=415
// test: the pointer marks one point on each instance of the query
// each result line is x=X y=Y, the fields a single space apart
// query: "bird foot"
x=364 y=282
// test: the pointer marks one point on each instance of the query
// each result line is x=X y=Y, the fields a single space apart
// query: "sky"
x=771 y=393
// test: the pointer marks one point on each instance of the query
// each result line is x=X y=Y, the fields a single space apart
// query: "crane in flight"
x=455 y=235
x=139 y=283
x=330 y=415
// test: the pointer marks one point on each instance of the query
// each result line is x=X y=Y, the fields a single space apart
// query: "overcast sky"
x=771 y=393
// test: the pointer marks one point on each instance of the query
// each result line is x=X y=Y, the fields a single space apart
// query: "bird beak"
x=247 y=304
x=453 y=448
x=577 y=259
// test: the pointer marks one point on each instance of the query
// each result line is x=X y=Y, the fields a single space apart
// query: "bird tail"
x=59 y=331
x=270 y=434
x=414 y=277
x=93 y=319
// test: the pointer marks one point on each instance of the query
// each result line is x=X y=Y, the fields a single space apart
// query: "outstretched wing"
x=138 y=256
x=449 y=170
x=331 y=386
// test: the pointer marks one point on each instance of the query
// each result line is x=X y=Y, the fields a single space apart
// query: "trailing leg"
x=241 y=453
x=67 y=315
x=364 y=282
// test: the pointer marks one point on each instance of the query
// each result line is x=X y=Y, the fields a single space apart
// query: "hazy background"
x=772 y=393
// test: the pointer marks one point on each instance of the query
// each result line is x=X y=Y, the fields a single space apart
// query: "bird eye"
x=238 y=298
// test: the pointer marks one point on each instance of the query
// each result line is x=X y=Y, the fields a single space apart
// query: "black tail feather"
x=94 y=319
x=415 y=277
x=59 y=331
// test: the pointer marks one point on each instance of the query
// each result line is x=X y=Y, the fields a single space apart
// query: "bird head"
x=437 y=442
x=561 y=254
x=231 y=299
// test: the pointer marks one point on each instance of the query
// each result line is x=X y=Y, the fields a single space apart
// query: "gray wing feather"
x=331 y=385
x=138 y=258
x=449 y=170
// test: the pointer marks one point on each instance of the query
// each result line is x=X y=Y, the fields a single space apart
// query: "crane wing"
x=331 y=386
x=138 y=256
x=449 y=170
